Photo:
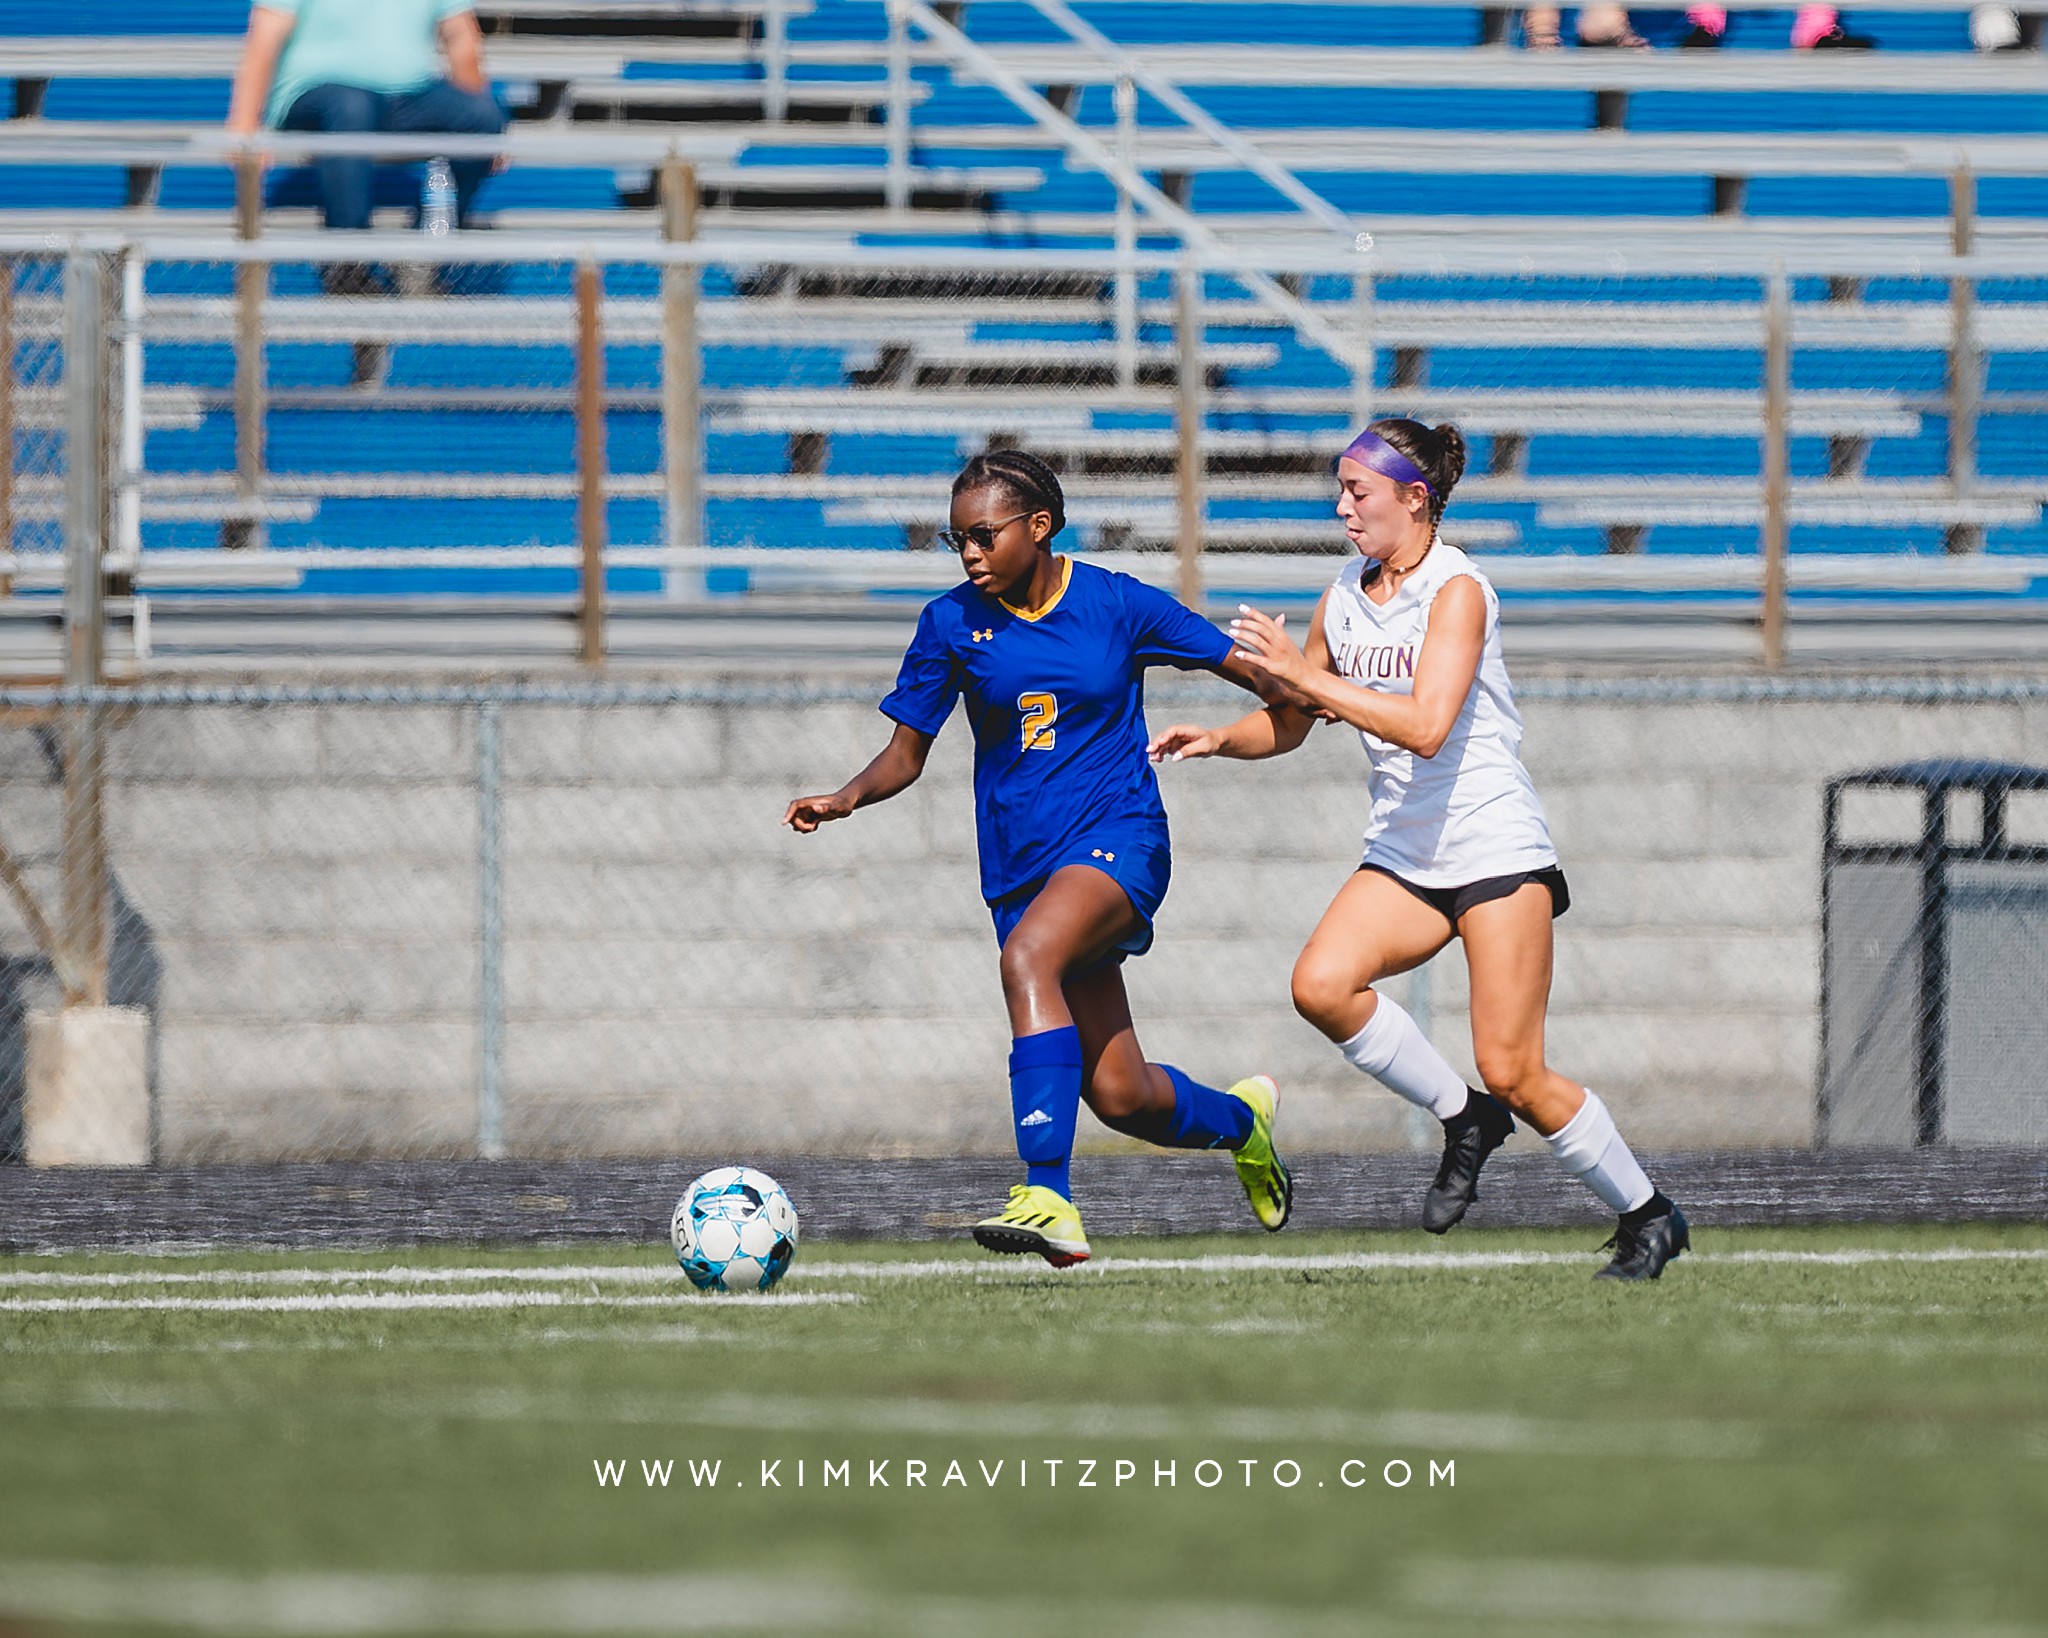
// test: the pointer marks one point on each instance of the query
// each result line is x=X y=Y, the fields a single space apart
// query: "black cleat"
x=1472 y=1134
x=1840 y=39
x=1645 y=1240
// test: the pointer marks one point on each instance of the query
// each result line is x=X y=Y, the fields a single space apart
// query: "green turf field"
x=1797 y=1431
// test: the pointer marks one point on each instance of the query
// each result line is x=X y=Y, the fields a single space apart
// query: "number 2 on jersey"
x=1041 y=711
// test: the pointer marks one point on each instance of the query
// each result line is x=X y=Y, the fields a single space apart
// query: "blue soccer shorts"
x=1142 y=871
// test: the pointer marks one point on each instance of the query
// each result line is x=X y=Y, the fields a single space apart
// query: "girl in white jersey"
x=1405 y=647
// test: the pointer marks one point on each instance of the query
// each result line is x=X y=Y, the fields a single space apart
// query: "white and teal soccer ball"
x=734 y=1230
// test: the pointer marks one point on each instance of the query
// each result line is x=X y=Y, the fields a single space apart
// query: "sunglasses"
x=980 y=535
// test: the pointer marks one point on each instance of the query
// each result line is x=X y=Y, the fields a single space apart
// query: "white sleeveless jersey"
x=1470 y=811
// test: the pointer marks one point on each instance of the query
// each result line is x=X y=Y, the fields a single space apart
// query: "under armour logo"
x=1037 y=1117
x=987 y=636
x=1106 y=858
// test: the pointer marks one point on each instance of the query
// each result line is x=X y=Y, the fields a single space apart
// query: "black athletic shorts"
x=1452 y=902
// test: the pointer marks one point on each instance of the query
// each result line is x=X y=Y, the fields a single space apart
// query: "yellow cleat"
x=1036 y=1219
x=1259 y=1168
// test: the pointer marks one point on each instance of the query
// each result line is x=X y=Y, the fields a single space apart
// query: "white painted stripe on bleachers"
x=1244 y=572
x=1847 y=512
x=1434 y=246
x=1329 y=68
x=1713 y=326
x=1608 y=153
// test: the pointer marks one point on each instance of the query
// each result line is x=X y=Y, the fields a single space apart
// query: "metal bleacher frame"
x=696 y=225
x=1172 y=503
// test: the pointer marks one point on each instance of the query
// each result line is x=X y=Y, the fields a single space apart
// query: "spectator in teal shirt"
x=366 y=65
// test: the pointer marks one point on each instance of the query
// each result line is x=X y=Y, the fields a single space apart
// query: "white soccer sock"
x=1393 y=1051
x=1589 y=1147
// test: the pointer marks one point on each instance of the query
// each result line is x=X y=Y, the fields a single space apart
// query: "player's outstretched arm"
x=1272 y=732
x=1419 y=722
x=1278 y=729
x=894 y=770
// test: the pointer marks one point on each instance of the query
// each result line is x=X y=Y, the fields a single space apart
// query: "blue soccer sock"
x=1045 y=1099
x=1204 y=1118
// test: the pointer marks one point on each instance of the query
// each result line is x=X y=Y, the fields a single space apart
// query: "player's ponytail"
x=1438 y=451
x=1036 y=485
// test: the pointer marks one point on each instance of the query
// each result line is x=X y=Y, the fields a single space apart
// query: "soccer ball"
x=734 y=1230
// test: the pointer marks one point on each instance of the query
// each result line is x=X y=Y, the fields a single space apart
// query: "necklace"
x=1382 y=569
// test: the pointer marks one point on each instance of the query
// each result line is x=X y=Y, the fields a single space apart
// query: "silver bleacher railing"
x=1041 y=80
x=973 y=353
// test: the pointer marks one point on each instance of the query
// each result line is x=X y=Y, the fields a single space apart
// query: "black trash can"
x=1934 y=966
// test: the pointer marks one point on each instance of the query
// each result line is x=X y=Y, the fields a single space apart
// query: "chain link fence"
x=32 y=410
x=550 y=921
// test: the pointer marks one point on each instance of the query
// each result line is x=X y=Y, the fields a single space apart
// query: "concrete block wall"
x=304 y=892
x=681 y=973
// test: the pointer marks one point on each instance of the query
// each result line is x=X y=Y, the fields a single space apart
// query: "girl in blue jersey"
x=1050 y=656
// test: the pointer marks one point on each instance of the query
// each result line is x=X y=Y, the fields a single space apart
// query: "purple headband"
x=1370 y=449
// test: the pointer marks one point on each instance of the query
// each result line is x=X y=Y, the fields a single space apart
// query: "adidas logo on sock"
x=1037 y=1117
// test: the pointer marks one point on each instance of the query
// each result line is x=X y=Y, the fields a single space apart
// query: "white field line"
x=1314 y=1429
x=396 y=1274
x=1302 y=1433
x=1852 y=1258
x=365 y=1604
x=657 y=1273
x=385 y=1301
x=299 y=1342
x=1214 y=1263
x=1745 y=1595
x=340 y=1604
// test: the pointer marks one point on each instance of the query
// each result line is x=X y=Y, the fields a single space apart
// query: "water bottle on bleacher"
x=437 y=199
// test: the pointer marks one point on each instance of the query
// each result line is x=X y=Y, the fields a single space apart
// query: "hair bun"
x=1449 y=465
x=1438 y=451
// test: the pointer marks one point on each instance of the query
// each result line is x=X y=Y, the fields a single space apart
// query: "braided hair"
x=1034 y=484
x=1439 y=451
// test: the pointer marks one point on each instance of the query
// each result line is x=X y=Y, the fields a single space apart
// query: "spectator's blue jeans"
x=345 y=182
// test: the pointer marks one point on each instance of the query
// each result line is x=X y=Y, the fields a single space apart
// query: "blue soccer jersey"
x=1057 y=700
